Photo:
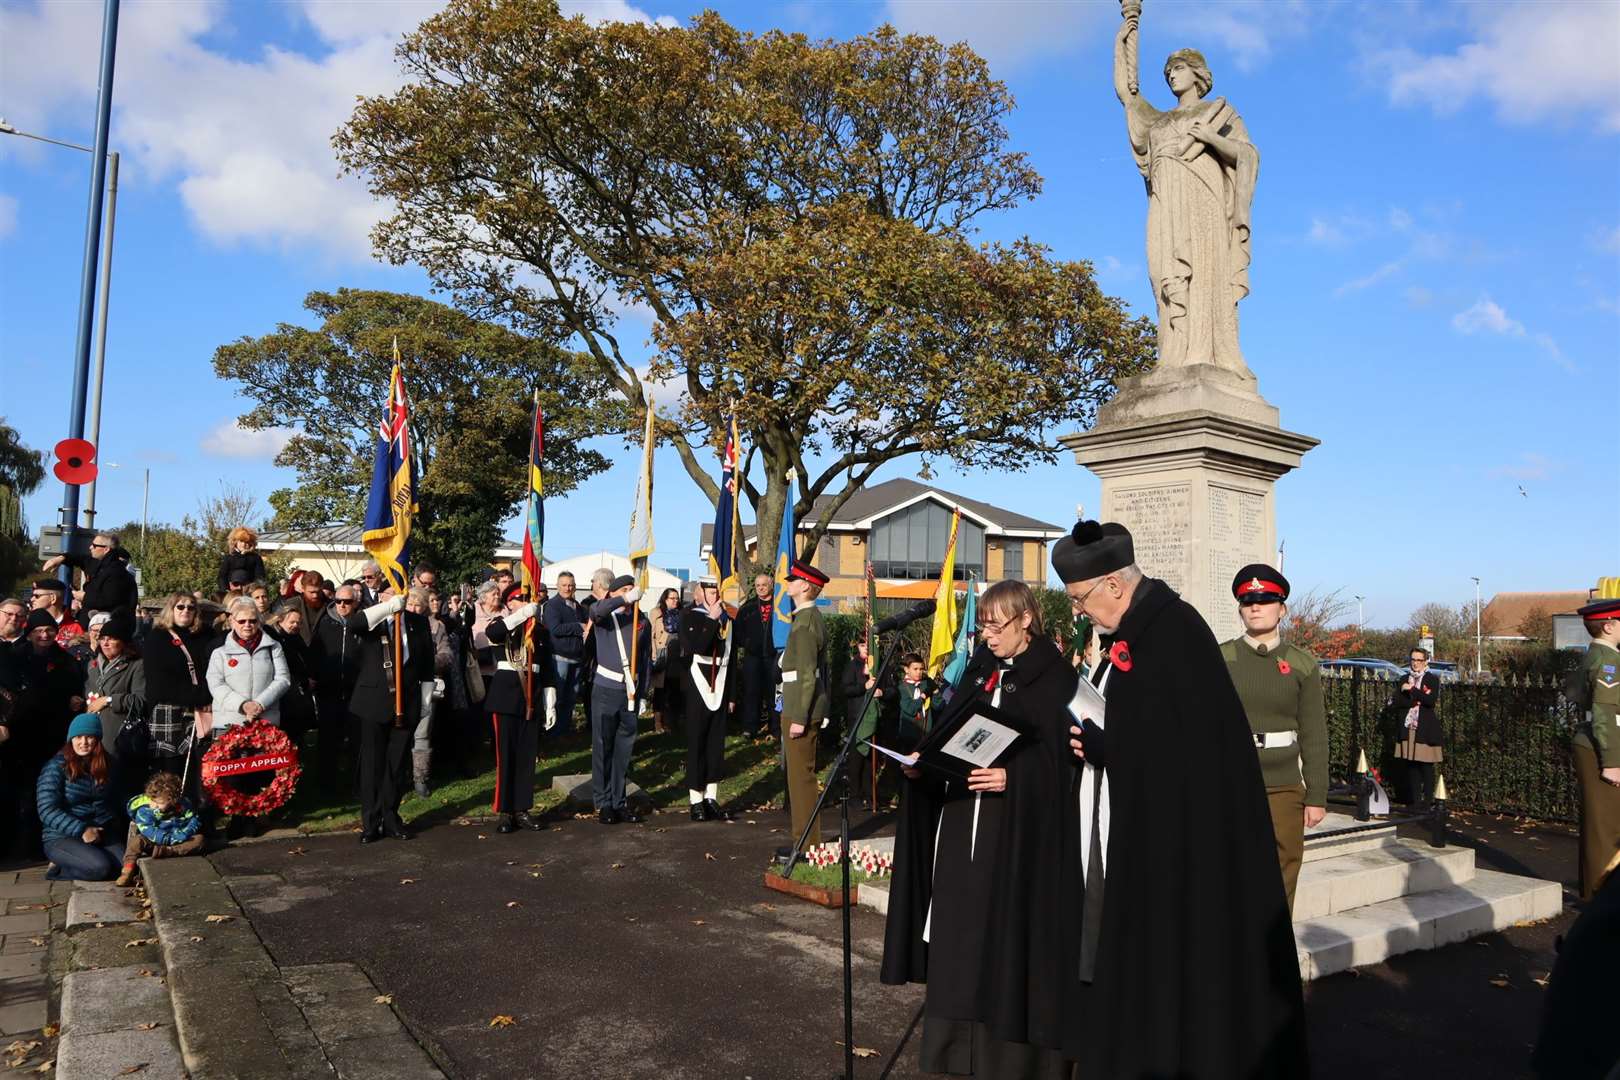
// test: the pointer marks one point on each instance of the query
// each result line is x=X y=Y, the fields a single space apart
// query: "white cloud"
x=1419 y=297
x=1399 y=219
x=1387 y=270
x=1486 y=316
x=1530 y=466
x=229 y=439
x=1607 y=240
x=8 y=215
x=1325 y=233
x=1535 y=59
x=1247 y=29
x=1005 y=32
x=246 y=142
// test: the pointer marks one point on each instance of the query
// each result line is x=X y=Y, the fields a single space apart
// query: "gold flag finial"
x=1361 y=764
x=1440 y=790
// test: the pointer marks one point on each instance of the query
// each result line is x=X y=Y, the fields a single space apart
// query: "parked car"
x=1367 y=664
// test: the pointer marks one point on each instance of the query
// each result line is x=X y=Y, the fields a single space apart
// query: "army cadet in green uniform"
x=804 y=696
x=1595 y=687
x=1281 y=689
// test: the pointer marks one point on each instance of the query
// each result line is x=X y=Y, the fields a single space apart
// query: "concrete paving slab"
x=26 y=1014
x=148 y=1055
x=109 y=947
x=20 y=964
x=101 y=902
x=31 y=922
x=382 y=1058
x=576 y=788
x=113 y=999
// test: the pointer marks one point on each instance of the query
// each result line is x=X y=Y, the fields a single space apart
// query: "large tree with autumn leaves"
x=798 y=216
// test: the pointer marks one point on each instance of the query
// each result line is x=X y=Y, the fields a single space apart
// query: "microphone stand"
x=840 y=776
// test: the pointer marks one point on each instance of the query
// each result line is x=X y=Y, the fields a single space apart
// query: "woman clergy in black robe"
x=1194 y=972
x=983 y=899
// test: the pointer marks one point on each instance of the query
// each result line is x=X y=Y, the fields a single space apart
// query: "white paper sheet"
x=904 y=759
x=980 y=741
x=1088 y=704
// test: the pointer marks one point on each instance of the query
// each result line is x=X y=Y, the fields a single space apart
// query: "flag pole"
x=528 y=628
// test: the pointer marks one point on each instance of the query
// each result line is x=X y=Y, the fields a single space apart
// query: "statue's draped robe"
x=1197 y=230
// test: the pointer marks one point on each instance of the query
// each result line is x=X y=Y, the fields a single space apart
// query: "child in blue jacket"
x=161 y=825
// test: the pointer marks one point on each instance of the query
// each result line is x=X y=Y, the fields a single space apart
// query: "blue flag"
x=780 y=602
x=964 y=638
x=387 y=531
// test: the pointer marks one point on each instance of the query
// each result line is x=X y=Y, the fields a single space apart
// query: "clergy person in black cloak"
x=1187 y=956
x=984 y=906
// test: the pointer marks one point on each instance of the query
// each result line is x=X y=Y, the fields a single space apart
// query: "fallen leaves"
x=148 y=1026
x=384 y=999
x=148 y=972
x=697 y=922
x=130 y=1069
x=1501 y=982
x=407 y=881
x=138 y=942
x=45 y=1066
x=297 y=851
x=709 y=856
x=196 y=939
x=1540 y=980
x=858 y=1051
x=37 y=942
x=501 y=1021
x=219 y=918
x=513 y=903
x=617 y=866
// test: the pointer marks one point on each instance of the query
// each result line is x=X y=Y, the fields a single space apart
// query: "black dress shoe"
x=700 y=812
x=525 y=821
x=624 y=813
x=607 y=817
x=715 y=812
x=397 y=832
x=783 y=853
x=504 y=824
x=369 y=835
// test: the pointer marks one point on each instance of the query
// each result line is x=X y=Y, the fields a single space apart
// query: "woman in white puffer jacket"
x=247 y=674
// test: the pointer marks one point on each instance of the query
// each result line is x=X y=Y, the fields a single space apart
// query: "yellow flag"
x=942 y=642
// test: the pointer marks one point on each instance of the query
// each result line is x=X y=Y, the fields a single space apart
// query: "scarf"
x=250 y=644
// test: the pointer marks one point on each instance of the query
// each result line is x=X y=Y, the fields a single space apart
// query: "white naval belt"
x=1271 y=740
x=565 y=660
x=507 y=665
x=710 y=661
x=610 y=676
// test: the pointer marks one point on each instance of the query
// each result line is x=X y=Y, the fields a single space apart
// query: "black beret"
x=37 y=618
x=623 y=581
x=1261 y=581
x=1092 y=550
x=511 y=590
x=1600 y=610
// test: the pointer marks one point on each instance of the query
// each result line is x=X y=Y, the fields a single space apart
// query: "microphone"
x=904 y=618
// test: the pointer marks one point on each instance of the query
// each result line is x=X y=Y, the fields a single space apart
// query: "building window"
x=910 y=544
x=1012 y=560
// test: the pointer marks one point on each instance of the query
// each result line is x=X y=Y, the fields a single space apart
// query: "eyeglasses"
x=1078 y=604
x=245 y=622
x=1420 y=660
x=185 y=607
x=93 y=545
x=342 y=600
x=994 y=627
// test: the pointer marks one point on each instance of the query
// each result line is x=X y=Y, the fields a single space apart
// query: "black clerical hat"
x=1092 y=550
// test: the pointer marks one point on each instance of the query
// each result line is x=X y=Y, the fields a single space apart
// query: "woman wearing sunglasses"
x=177 y=650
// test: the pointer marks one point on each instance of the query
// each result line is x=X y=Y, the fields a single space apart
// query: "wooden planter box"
x=816 y=894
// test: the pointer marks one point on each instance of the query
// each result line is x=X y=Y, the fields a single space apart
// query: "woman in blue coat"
x=82 y=827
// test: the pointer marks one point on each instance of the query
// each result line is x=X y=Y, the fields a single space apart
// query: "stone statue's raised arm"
x=1126 y=84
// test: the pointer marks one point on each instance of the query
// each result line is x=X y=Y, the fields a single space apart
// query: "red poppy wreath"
x=244 y=751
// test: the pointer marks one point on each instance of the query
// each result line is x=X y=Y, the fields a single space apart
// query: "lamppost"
x=104 y=288
x=1360 y=621
x=87 y=279
x=1479 y=637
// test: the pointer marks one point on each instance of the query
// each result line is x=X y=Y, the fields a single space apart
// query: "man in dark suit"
x=385 y=738
x=754 y=638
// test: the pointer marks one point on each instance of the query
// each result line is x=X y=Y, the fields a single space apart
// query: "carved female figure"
x=1200 y=170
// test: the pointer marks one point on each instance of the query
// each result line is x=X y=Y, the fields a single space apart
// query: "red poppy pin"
x=231 y=662
x=1282 y=666
x=1119 y=654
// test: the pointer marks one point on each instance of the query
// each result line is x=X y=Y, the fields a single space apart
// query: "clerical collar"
x=1268 y=644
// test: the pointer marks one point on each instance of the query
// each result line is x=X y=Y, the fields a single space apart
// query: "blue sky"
x=1436 y=252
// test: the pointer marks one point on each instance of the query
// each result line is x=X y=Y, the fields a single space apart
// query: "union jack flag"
x=392 y=505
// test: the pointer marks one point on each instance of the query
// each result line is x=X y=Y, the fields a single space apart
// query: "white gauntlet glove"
x=551 y=707
x=520 y=616
x=377 y=614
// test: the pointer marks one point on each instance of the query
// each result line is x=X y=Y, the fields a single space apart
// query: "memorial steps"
x=1368 y=896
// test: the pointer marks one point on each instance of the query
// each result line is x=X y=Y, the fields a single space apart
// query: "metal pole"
x=92 y=242
x=101 y=331
x=1479 y=638
x=146 y=495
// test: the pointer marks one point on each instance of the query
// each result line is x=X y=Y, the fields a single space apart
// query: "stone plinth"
x=1188 y=457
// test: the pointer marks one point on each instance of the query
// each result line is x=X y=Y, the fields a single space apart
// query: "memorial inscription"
x=1160 y=520
x=1237 y=536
